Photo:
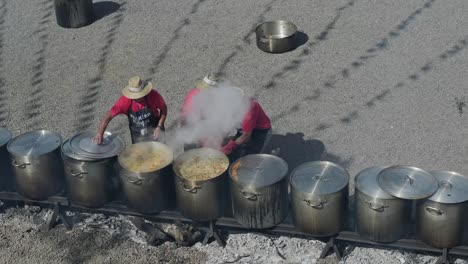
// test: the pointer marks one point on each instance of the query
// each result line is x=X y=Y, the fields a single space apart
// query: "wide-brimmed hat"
x=209 y=81
x=136 y=88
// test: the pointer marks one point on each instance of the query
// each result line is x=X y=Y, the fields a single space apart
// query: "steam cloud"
x=216 y=113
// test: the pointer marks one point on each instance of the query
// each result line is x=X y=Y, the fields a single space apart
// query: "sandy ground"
x=97 y=238
x=374 y=83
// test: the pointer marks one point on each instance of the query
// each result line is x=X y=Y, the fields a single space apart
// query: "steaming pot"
x=259 y=190
x=146 y=191
x=200 y=200
x=440 y=218
x=90 y=169
x=6 y=172
x=319 y=192
x=38 y=168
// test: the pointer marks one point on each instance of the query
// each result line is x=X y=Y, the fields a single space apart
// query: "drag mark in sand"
x=245 y=38
x=3 y=101
x=295 y=64
x=87 y=106
x=306 y=51
x=358 y=63
x=175 y=36
x=413 y=77
x=35 y=99
x=381 y=45
x=460 y=103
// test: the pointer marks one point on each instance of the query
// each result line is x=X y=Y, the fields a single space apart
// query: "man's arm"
x=102 y=127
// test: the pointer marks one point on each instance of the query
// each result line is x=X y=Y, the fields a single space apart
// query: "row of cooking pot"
x=258 y=187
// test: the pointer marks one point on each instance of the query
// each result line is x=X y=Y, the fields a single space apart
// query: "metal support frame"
x=58 y=214
x=210 y=232
x=60 y=203
x=331 y=246
x=444 y=259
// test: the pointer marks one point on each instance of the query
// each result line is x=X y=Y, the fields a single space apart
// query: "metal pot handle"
x=376 y=208
x=190 y=190
x=250 y=196
x=264 y=40
x=318 y=205
x=433 y=210
x=136 y=182
x=22 y=166
x=79 y=174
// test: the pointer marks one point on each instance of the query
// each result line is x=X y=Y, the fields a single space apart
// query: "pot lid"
x=319 y=178
x=146 y=157
x=82 y=144
x=407 y=182
x=67 y=151
x=452 y=187
x=258 y=170
x=34 y=143
x=5 y=136
x=366 y=182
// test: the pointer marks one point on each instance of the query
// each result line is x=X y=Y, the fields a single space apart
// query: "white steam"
x=215 y=114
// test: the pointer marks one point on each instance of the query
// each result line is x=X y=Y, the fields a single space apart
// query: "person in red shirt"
x=254 y=134
x=208 y=82
x=145 y=108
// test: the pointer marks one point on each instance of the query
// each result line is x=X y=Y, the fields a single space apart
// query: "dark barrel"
x=74 y=13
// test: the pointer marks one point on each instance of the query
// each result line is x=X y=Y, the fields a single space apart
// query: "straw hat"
x=209 y=81
x=136 y=88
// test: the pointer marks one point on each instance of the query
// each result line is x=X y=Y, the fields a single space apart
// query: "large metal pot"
x=384 y=197
x=440 y=218
x=276 y=36
x=319 y=192
x=90 y=169
x=6 y=172
x=146 y=190
x=380 y=217
x=259 y=190
x=200 y=200
x=38 y=167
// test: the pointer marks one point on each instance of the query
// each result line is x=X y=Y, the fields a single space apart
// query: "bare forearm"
x=162 y=120
x=244 y=138
x=104 y=122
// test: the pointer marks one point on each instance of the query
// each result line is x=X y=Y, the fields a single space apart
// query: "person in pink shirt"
x=145 y=108
x=208 y=82
x=253 y=135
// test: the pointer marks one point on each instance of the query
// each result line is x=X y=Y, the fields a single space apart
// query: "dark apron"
x=253 y=146
x=142 y=123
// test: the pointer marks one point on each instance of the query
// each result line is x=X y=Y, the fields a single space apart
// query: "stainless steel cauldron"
x=384 y=197
x=276 y=36
x=90 y=170
x=38 y=167
x=6 y=172
x=259 y=190
x=440 y=219
x=380 y=217
x=146 y=190
x=319 y=192
x=200 y=200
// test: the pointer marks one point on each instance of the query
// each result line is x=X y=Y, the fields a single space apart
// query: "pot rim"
x=176 y=172
x=171 y=156
x=34 y=155
x=292 y=174
x=277 y=21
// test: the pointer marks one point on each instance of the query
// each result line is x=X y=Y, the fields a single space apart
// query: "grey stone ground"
x=377 y=83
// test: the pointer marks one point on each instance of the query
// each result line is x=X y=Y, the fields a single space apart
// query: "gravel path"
x=376 y=83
